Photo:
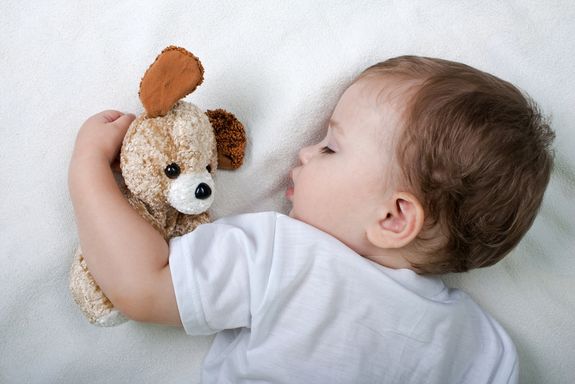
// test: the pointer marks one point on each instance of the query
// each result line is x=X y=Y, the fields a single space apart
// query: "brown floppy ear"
x=174 y=74
x=230 y=138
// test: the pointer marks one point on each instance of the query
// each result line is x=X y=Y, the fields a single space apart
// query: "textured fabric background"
x=280 y=67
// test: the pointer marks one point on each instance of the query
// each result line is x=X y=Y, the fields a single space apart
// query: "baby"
x=428 y=166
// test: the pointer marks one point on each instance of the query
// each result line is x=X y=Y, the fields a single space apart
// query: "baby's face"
x=343 y=179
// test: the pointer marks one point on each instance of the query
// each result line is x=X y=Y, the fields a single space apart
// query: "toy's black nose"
x=203 y=191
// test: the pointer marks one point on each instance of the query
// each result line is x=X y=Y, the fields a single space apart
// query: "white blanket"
x=279 y=66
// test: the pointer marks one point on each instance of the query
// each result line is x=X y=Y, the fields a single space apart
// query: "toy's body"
x=168 y=157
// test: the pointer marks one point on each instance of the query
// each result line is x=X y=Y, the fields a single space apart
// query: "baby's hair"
x=477 y=153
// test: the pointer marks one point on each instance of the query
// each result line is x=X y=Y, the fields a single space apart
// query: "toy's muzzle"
x=192 y=193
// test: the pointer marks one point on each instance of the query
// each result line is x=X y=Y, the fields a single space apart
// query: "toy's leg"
x=92 y=302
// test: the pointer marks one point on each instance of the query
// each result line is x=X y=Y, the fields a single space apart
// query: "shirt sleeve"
x=220 y=271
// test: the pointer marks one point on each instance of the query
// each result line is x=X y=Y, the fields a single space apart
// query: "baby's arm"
x=126 y=255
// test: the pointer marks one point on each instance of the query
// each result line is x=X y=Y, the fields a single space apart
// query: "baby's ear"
x=230 y=138
x=398 y=222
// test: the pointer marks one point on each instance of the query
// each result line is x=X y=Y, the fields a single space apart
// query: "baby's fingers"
x=109 y=116
x=123 y=121
x=104 y=117
x=103 y=133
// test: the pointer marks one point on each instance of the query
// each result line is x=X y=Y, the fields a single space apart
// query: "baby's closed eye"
x=327 y=150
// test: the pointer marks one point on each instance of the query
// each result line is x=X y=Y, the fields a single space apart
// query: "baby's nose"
x=305 y=154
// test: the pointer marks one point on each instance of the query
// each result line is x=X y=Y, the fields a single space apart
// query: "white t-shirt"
x=292 y=304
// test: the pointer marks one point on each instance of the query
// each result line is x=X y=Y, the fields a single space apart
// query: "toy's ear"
x=174 y=74
x=230 y=137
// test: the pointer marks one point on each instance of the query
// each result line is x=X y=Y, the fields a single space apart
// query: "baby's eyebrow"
x=336 y=127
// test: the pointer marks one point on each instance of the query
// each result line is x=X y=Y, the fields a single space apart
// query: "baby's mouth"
x=289 y=193
x=290 y=188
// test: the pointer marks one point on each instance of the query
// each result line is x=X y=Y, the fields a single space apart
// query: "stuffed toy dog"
x=168 y=159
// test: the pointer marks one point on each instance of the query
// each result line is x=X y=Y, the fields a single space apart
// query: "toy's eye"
x=172 y=170
x=209 y=168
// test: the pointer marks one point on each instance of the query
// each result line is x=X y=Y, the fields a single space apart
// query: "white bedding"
x=280 y=67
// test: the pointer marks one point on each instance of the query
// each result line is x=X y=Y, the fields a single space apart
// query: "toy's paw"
x=110 y=319
x=97 y=308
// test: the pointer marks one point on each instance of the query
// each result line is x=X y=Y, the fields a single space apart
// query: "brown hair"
x=477 y=153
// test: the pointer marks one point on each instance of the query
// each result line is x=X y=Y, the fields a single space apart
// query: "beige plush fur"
x=185 y=136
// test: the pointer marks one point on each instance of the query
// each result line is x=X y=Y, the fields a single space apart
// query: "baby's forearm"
x=123 y=252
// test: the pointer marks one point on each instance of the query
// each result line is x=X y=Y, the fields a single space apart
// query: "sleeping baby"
x=427 y=167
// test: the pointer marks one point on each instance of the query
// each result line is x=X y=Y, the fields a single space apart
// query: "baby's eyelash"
x=327 y=150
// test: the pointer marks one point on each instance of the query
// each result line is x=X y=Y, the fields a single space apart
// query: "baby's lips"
x=290 y=189
x=289 y=193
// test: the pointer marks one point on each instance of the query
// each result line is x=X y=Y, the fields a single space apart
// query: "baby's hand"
x=101 y=136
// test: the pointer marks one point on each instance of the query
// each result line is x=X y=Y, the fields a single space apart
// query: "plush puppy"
x=167 y=160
